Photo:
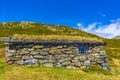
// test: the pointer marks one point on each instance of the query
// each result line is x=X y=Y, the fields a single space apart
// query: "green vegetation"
x=52 y=73
x=2 y=69
x=116 y=37
x=8 y=72
x=55 y=37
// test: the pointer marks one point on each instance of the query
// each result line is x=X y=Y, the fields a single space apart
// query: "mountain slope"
x=31 y=28
x=116 y=37
x=45 y=73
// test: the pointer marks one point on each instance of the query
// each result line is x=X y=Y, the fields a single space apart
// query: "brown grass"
x=2 y=52
x=55 y=37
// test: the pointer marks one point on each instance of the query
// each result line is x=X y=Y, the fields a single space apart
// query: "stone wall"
x=55 y=55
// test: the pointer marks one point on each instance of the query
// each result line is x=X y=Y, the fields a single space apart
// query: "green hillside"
x=32 y=28
x=45 y=73
x=116 y=37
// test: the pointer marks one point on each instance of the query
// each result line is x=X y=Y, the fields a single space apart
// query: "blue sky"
x=101 y=17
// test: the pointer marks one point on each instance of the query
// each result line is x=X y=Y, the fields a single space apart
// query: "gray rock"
x=34 y=53
x=38 y=57
x=99 y=61
x=59 y=47
x=70 y=67
x=83 y=58
x=48 y=64
x=45 y=49
x=24 y=52
x=31 y=62
x=52 y=52
x=20 y=62
x=66 y=63
x=26 y=57
x=58 y=65
x=10 y=62
x=9 y=54
x=77 y=64
x=67 y=52
x=57 y=57
x=12 y=51
x=87 y=63
x=30 y=46
x=43 y=53
x=31 y=49
x=82 y=67
x=43 y=61
x=62 y=60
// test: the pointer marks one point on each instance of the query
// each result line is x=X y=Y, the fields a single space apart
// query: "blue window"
x=82 y=50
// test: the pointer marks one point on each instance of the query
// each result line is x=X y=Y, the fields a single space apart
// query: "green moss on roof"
x=55 y=37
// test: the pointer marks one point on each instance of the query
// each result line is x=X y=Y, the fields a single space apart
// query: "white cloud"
x=107 y=31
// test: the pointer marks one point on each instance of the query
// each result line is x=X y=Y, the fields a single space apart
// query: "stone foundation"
x=55 y=55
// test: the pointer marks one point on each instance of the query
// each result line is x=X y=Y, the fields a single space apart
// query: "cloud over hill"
x=105 y=30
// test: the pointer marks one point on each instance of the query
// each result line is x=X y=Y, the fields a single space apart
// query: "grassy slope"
x=45 y=73
x=117 y=37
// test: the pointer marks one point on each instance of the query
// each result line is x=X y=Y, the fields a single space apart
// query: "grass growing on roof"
x=55 y=37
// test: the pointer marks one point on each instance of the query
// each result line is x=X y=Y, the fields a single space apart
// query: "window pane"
x=82 y=50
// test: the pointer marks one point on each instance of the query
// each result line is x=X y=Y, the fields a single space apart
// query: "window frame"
x=82 y=50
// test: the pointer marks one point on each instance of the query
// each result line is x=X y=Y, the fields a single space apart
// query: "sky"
x=101 y=17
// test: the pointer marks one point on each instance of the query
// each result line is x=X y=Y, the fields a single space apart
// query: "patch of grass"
x=52 y=73
x=96 y=69
x=55 y=37
x=2 y=69
x=2 y=53
x=2 y=44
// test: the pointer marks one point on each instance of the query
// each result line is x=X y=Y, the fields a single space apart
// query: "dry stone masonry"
x=57 y=54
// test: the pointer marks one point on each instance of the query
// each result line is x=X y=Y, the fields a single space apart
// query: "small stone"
x=38 y=57
x=65 y=46
x=69 y=67
x=45 y=49
x=53 y=48
x=77 y=64
x=82 y=67
x=24 y=52
x=12 y=51
x=62 y=60
x=9 y=54
x=58 y=65
x=38 y=46
x=48 y=64
x=31 y=49
x=65 y=63
x=52 y=51
x=31 y=62
x=21 y=62
x=34 y=53
x=87 y=63
x=67 y=52
x=83 y=58
x=102 y=52
x=59 y=47
x=43 y=53
x=10 y=62
x=26 y=57
x=30 y=46
x=43 y=61
x=99 y=61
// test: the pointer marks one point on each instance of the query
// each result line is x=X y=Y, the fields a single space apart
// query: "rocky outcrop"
x=56 y=55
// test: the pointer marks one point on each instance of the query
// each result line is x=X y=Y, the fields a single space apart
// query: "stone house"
x=69 y=54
